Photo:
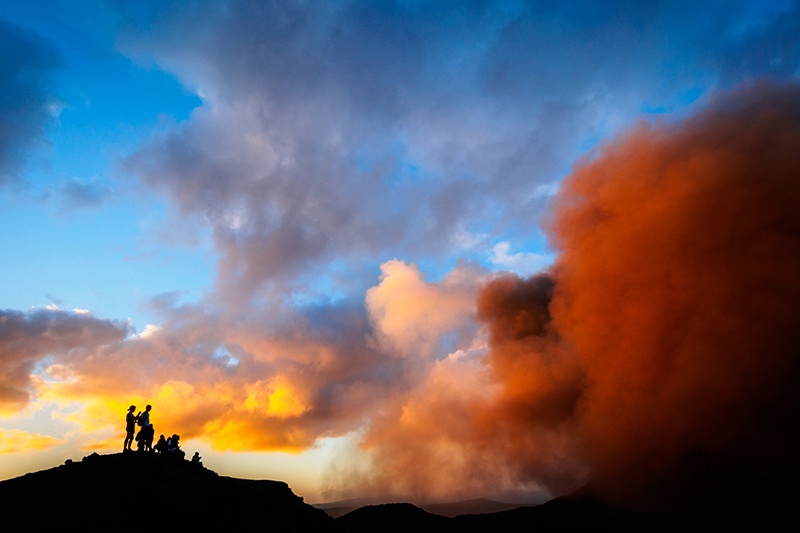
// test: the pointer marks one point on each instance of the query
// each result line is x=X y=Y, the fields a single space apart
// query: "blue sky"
x=316 y=189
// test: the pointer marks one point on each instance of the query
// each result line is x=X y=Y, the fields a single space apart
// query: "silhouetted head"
x=132 y=408
x=148 y=407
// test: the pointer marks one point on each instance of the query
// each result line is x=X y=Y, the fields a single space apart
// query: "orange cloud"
x=15 y=441
x=28 y=339
x=425 y=444
x=410 y=315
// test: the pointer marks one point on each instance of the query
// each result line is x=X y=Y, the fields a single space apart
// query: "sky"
x=429 y=250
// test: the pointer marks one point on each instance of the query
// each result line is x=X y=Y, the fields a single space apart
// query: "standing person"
x=130 y=427
x=144 y=418
x=145 y=436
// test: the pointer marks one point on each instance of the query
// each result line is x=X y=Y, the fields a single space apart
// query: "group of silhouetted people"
x=144 y=437
x=169 y=446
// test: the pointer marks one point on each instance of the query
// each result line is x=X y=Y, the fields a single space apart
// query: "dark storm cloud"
x=26 y=64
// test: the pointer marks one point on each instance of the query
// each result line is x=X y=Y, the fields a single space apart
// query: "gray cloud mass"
x=366 y=131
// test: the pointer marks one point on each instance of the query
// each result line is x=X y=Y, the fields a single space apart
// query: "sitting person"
x=161 y=445
x=196 y=459
x=173 y=447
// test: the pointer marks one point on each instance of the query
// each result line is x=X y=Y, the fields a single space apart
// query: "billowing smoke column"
x=531 y=420
x=670 y=335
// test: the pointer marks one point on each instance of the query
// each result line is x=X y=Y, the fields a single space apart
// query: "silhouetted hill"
x=569 y=514
x=392 y=517
x=575 y=513
x=477 y=506
x=123 y=492
x=449 y=509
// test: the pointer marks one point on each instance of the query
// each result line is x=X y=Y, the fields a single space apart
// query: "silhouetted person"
x=144 y=418
x=130 y=427
x=149 y=433
x=161 y=445
x=173 y=447
x=145 y=435
x=196 y=459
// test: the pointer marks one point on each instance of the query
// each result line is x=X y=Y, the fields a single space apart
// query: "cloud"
x=301 y=163
x=29 y=340
x=77 y=193
x=299 y=374
x=14 y=441
x=521 y=263
x=27 y=62
x=333 y=139
x=357 y=132
x=656 y=360
x=423 y=445
x=410 y=316
x=495 y=419
x=299 y=159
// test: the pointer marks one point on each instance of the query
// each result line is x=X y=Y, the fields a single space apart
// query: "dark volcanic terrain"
x=131 y=491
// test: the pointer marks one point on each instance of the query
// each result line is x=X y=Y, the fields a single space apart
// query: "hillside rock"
x=125 y=492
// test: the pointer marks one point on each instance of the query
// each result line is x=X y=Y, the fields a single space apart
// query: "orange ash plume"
x=678 y=287
x=662 y=352
x=657 y=362
x=530 y=421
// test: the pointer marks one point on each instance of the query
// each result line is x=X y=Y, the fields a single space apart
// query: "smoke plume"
x=655 y=364
x=671 y=338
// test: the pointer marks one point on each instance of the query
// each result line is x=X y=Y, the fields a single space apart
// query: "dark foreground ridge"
x=142 y=491
x=146 y=491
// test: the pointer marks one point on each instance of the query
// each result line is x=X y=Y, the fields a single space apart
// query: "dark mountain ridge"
x=126 y=492
x=448 y=509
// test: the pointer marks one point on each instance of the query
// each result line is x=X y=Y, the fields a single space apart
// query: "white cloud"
x=522 y=263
